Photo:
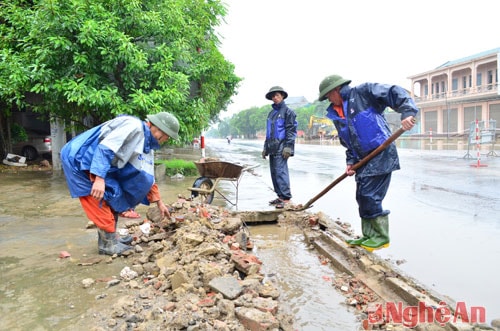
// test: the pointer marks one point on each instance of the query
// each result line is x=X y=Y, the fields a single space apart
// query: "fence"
x=479 y=135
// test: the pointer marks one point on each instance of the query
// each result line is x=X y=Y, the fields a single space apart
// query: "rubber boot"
x=366 y=229
x=108 y=243
x=127 y=240
x=381 y=239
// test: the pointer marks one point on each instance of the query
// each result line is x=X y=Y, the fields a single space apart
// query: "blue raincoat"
x=122 y=152
x=364 y=127
x=281 y=129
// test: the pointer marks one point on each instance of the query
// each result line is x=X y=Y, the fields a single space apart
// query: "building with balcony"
x=454 y=95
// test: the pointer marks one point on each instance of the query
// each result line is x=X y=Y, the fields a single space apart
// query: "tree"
x=101 y=58
x=224 y=128
x=248 y=122
x=305 y=113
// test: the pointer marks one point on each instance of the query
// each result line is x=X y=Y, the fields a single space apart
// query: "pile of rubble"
x=192 y=272
x=195 y=271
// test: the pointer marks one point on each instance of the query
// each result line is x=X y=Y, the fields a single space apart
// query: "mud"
x=53 y=278
x=175 y=264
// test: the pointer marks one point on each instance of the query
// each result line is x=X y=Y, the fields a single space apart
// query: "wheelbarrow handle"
x=356 y=166
x=250 y=167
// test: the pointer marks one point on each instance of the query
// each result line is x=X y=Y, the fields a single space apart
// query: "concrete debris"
x=193 y=271
x=192 y=275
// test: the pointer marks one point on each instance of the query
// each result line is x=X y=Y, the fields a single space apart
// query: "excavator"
x=321 y=128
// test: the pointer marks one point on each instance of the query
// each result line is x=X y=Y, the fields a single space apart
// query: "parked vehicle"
x=37 y=145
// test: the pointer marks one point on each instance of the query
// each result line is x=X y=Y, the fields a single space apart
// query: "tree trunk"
x=58 y=136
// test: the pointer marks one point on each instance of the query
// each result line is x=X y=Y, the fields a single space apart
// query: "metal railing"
x=471 y=91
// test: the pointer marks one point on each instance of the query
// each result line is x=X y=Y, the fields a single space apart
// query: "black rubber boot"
x=108 y=243
x=127 y=240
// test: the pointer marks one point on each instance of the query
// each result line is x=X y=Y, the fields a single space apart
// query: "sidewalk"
x=391 y=285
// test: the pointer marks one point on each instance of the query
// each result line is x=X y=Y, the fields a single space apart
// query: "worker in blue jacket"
x=110 y=168
x=281 y=131
x=358 y=115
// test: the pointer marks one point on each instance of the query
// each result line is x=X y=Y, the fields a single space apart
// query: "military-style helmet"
x=329 y=83
x=166 y=122
x=269 y=95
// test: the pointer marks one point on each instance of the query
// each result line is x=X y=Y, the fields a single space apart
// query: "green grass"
x=176 y=166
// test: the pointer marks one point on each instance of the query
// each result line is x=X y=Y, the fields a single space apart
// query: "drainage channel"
x=295 y=268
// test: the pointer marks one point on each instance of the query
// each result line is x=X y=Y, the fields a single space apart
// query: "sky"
x=296 y=43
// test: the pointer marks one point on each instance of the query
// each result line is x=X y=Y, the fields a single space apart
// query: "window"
x=430 y=120
x=470 y=115
x=450 y=120
x=494 y=112
x=479 y=79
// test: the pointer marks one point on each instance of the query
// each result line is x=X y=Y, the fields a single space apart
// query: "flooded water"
x=444 y=224
x=444 y=217
x=305 y=282
x=40 y=291
x=38 y=220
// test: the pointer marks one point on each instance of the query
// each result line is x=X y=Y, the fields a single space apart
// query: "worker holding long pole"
x=358 y=115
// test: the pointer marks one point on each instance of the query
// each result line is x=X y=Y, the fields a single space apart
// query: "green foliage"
x=103 y=58
x=177 y=166
x=18 y=133
x=249 y=122
x=304 y=113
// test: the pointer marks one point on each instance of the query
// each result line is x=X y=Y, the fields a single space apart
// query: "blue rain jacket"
x=364 y=127
x=281 y=129
x=122 y=152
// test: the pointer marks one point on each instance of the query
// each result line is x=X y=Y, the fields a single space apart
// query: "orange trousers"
x=100 y=213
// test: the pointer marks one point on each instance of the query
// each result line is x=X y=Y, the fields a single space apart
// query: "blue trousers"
x=370 y=192
x=280 y=176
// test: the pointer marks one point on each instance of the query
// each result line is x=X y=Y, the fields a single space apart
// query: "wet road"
x=445 y=211
x=444 y=223
x=40 y=291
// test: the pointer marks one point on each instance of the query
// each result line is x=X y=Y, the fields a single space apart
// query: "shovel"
x=356 y=166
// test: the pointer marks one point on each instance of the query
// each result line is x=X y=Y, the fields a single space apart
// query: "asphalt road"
x=444 y=224
x=444 y=220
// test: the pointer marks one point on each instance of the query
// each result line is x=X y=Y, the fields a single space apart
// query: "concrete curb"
x=380 y=276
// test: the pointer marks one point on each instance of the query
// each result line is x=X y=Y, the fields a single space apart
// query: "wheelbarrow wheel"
x=203 y=183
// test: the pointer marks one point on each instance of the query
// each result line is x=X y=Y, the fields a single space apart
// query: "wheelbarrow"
x=212 y=173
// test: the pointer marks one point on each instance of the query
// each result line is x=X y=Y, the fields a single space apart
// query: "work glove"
x=264 y=155
x=287 y=151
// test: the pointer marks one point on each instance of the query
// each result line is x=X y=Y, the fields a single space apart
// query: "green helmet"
x=269 y=95
x=166 y=122
x=329 y=83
